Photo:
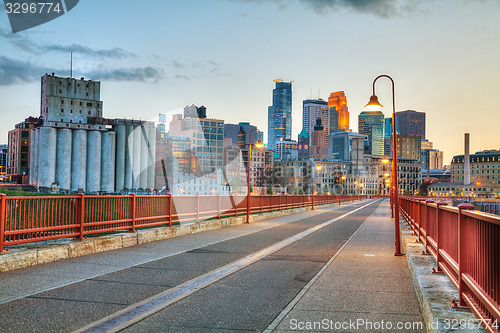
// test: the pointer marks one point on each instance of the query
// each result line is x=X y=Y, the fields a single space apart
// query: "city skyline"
x=151 y=68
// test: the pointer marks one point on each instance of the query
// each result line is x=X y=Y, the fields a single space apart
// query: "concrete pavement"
x=344 y=278
x=364 y=288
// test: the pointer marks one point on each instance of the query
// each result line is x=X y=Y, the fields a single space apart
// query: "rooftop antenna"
x=71 y=66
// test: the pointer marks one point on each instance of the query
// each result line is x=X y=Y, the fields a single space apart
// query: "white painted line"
x=197 y=246
x=306 y=288
x=141 y=310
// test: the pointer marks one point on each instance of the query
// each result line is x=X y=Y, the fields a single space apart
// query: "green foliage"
x=297 y=191
x=270 y=190
x=11 y=193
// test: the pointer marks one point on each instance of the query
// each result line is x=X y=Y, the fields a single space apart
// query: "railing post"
x=461 y=253
x=438 y=236
x=427 y=220
x=80 y=214
x=3 y=219
x=132 y=211
x=218 y=205
x=170 y=209
x=279 y=202
x=235 y=204
x=197 y=207
x=261 y=204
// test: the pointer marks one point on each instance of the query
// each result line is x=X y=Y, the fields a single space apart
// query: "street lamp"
x=375 y=103
x=258 y=145
x=343 y=178
x=317 y=167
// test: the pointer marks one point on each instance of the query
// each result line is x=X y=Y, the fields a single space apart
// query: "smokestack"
x=466 y=161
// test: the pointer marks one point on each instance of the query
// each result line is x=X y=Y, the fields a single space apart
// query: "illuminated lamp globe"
x=373 y=104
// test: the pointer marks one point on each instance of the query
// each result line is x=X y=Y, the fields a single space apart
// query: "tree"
x=270 y=190
x=297 y=190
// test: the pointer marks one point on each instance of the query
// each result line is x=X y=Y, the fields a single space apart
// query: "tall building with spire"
x=312 y=110
x=319 y=147
x=338 y=111
x=279 y=121
x=303 y=142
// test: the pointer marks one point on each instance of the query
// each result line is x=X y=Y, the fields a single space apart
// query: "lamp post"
x=375 y=103
x=258 y=145
x=316 y=167
x=386 y=161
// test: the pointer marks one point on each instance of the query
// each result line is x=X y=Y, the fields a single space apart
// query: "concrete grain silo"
x=129 y=157
x=63 y=159
x=121 y=135
x=152 y=157
x=136 y=162
x=35 y=133
x=47 y=157
x=79 y=161
x=93 y=184
x=144 y=157
x=108 y=153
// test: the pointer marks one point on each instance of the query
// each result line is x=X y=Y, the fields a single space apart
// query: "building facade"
x=347 y=146
x=432 y=159
x=371 y=124
x=240 y=134
x=279 y=120
x=319 y=141
x=411 y=123
x=484 y=167
x=206 y=136
x=287 y=149
x=3 y=162
x=409 y=147
x=75 y=149
x=339 y=112
x=312 y=110
x=303 y=145
x=18 y=151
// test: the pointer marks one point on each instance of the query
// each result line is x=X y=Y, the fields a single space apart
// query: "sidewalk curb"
x=26 y=257
x=434 y=291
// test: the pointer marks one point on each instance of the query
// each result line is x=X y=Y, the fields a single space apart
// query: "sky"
x=158 y=56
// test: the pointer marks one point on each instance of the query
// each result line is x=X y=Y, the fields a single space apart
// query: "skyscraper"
x=371 y=123
x=411 y=123
x=279 y=120
x=319 y=146
x=303 y=141
x=312 y=110
x=338 y=104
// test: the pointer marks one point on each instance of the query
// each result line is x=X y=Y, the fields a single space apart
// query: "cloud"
x=14 y=71
x=115 y=53
x=381 y=8
x=22 y=42
x=142 y=74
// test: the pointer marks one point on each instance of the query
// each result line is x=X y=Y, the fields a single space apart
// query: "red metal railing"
x=466 y=247
x=32 y=219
